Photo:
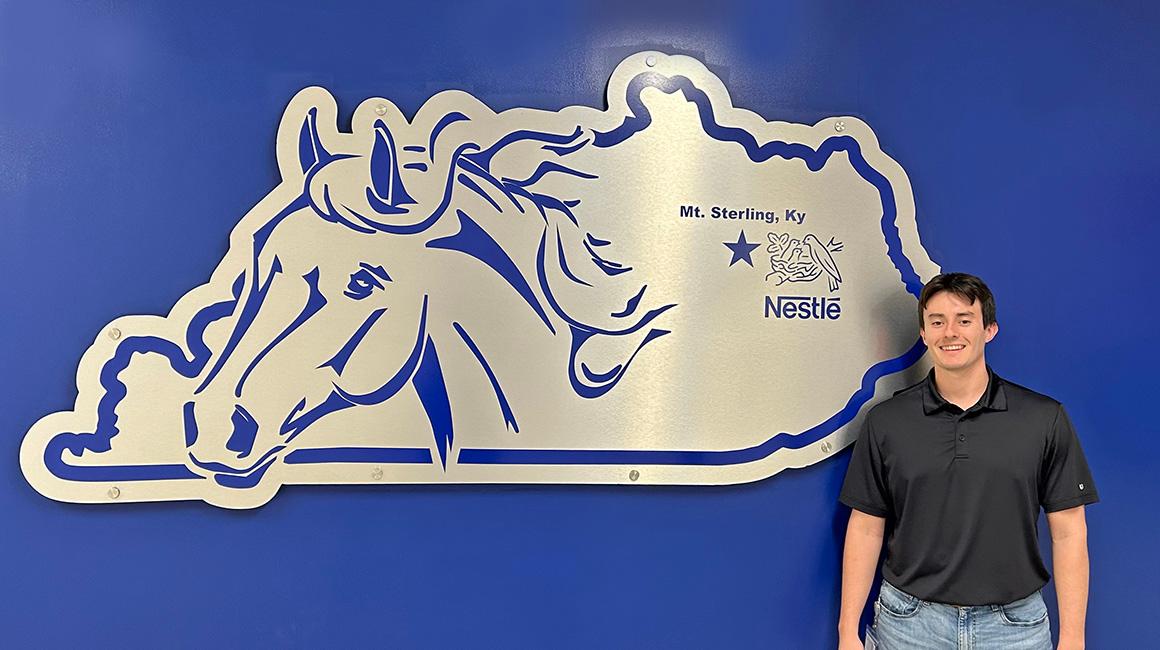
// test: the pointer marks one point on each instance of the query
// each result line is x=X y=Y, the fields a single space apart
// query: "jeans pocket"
x=896 y=602
x=1026 y=612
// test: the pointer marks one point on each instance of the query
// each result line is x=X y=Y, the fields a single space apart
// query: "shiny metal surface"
x=676 y=306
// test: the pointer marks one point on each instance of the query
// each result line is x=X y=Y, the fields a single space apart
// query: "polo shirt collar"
x=994 y=398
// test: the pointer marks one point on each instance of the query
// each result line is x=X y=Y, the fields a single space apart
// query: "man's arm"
x=859 y=560
x=1070 y=553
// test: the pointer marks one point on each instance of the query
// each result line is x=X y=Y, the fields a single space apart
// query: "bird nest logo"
x=465 y=296
x=803 y=260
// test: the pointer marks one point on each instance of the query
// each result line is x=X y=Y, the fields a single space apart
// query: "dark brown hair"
x=968 y=287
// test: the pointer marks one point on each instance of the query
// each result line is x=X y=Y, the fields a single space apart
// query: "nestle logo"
x=804 y=307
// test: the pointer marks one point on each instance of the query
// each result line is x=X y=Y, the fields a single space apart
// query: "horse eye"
x=362 y=284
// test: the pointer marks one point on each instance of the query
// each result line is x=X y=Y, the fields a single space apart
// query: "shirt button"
x=962 y=438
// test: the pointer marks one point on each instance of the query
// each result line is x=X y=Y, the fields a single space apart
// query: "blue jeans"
x=904 y=622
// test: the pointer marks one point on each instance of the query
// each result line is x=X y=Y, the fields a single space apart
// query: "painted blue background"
x=133 y=137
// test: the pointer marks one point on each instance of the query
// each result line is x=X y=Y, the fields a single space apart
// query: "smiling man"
x=953 y=472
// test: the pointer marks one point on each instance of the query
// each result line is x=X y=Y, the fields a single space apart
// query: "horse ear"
x=308 y=122
x=310 y=149
x=386 y=192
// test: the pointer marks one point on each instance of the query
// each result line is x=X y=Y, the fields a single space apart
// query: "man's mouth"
x=954 y=347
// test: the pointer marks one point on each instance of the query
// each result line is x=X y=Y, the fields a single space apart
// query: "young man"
x=953 y=473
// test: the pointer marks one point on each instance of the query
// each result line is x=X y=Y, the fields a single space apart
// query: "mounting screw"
x=381 y=109
x=839 y=126
x=114 y=492
x=650 y=60
x=633 y=475
x=377 y=474
x=114 y=333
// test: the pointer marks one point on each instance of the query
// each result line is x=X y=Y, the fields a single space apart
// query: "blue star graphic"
x=741 y=250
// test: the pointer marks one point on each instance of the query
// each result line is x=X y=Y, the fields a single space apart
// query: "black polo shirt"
x=961 y=491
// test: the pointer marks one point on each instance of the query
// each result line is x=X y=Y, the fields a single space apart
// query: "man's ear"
x=991 y=330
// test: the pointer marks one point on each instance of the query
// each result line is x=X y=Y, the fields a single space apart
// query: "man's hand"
x=851 y=643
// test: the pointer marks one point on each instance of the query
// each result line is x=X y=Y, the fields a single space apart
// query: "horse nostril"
x=245 y=430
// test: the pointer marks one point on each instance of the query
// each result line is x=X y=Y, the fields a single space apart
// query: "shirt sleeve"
x=865 y=486
x=1065 y=480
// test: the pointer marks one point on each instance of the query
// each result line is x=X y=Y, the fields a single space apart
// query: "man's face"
x=953 y=331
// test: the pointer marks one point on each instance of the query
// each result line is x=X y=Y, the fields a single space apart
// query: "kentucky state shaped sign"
x=669 y=291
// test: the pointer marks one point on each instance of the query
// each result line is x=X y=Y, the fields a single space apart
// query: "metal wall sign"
x=668 y=291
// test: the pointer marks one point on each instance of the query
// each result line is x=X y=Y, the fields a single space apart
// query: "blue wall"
x=133 y=136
